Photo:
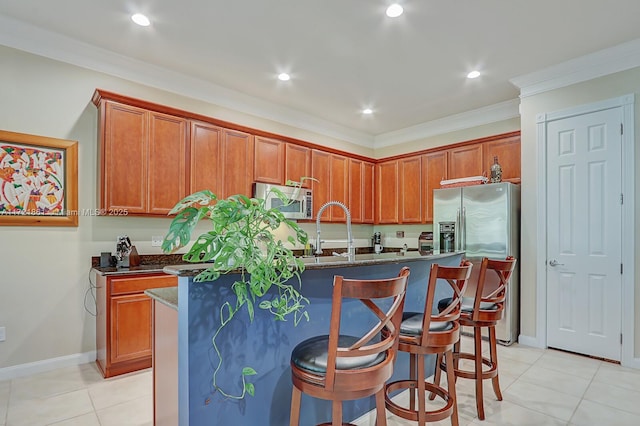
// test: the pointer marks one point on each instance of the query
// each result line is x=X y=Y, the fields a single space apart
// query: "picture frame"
x=38 y=180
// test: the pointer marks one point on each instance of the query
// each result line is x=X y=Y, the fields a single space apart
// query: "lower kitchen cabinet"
x=124 y=321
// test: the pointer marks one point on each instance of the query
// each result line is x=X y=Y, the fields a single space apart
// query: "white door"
x=584 y=240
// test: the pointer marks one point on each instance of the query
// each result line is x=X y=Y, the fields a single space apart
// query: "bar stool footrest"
x=406 y=413
x=471 y=374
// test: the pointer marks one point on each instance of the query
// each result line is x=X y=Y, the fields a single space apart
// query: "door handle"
x=554 y=262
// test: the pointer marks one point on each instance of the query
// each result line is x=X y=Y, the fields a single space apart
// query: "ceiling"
x=343 y=55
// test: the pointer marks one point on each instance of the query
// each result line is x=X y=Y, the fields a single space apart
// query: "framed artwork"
x=38 y=180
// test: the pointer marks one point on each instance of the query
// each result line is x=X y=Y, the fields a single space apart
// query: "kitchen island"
x=266 y=345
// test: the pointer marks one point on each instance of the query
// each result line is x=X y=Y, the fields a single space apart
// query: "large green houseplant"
x=242 y=240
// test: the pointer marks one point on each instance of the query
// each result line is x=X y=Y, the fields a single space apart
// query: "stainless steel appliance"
x=447 y=237
x=486 y=224
x=297 y=205
x=425 y=242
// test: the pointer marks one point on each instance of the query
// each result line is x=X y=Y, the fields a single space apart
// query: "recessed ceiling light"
x=141 y=20
x=367 y=111
x=284 y=76
x=394 y=10
x=473 y=74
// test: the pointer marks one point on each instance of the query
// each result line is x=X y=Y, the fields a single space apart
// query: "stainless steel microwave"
x=299 y=206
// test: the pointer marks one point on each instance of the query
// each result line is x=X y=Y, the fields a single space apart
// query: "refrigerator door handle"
x=458 y=242
x=464 y=228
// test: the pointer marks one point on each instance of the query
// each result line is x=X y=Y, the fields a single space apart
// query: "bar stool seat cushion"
x=311 y=355
x=467 y=305
x=412 y=324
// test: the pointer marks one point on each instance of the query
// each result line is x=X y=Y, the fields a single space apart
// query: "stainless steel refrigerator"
x=483 y=221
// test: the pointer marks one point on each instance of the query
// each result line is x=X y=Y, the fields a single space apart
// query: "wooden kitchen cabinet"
x=465 y=161
x=386 y=175
x=361 y=191
x=205 y=158
x=142 y=159
x=410 y=190
x=332 y=173
x=124 y=321
x=236 y=154
x=434 y=170
x=269 y=157
x=297 y=164
x=507 y=150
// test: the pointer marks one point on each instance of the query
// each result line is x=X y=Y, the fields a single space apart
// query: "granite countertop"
x=166 y=295
x=325 y=262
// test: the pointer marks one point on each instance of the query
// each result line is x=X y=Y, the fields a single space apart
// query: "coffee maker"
x=447 y=237
x=377 y=242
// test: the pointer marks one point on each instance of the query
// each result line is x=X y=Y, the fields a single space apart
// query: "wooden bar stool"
x=483 y=310
x=339 y=367
x=423 y=333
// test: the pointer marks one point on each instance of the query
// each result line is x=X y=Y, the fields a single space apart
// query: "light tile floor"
x=540 y=387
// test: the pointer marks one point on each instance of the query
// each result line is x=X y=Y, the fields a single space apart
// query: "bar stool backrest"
x=457 y=277
x=382 y=338
x=503 y=269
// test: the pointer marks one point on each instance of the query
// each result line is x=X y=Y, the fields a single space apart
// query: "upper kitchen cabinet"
x=507 y=149
x=386 y=188
x=297 y=164
x=206 y=172
x=361 y=191
x=465 y=161
x=410 y=190
x=269 y=160
x=236 y=152
x=332 y=173
x=142 y=159
x=434 y=170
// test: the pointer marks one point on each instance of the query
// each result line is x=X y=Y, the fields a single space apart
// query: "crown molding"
x=598 y=64
x=19 y=35
x=465 y=120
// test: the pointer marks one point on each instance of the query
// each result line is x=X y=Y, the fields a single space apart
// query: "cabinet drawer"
x=142 y=283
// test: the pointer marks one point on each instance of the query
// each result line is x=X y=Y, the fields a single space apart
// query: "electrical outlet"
x=399 y=234
x=3 y=334
x=156 y=240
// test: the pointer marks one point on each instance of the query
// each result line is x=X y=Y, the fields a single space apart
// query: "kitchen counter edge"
x=166 y=295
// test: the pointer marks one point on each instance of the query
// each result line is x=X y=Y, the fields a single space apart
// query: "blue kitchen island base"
x=266 y=344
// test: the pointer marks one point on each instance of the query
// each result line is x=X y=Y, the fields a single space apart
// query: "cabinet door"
x=387 y=192
x=321 y=170
x=205 y=170
x=434 y=170
x=410 y=190
x=356 y=190
x=123 y=177
x=269 y=161
x=237 y=163
x=167 y=162
x=465 y=161
x=368 y=192
x=130 y=327
x=298 y=164
x=508 y=152
x=339 y=186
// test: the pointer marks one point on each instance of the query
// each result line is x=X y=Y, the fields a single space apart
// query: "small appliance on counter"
x=425 y=242
x=377 y=243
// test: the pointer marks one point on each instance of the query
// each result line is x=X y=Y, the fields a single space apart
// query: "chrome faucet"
x=350 y=249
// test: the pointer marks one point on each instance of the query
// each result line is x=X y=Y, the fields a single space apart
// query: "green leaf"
x=180 y=229
x=251 y=390
x=248 y=371
x=202 y=198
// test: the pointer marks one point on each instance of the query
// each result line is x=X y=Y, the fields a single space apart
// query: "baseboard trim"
x=530 y=341
x=20 y=370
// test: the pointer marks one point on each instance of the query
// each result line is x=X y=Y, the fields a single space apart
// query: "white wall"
x=595 y=90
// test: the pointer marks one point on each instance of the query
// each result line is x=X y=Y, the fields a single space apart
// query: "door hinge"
x=621 y=129
x=621 y=269
x=621 y=198
x=620 y=338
